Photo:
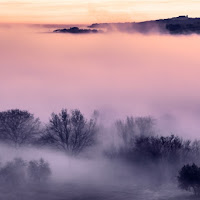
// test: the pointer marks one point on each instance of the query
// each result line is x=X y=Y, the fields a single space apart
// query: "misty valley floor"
x=94 y=192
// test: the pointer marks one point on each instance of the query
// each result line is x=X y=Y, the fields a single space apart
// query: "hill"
x=175 y=25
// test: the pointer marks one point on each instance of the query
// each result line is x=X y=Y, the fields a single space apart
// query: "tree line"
x=67 y=131
x=71 y=132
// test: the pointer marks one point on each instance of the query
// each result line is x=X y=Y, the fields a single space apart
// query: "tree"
x=18 y=127
x=13 y=173
x=154 y=148
x=126 y=130
x=131 y=127
x=70 y=132
x=189 y=178
x=145 y=125
x=38 y=171
x=17 y=172
x=148 y=148
x=195 y=150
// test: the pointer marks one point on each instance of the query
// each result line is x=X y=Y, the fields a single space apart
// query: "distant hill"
x=176 y=25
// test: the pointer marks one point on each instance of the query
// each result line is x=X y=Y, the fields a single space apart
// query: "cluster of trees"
x=18 y=172
x=132 y=127
x=69 y=131
x=163 y=156
x=141 y=143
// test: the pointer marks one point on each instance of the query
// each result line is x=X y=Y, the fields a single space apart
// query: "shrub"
x=17 y=172
x=13 y=173
x=189 y=178
x=38 y=171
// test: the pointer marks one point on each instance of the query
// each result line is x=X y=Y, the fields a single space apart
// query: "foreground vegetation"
x=161 y=159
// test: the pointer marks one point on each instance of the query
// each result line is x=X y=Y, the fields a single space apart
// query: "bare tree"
x=132 y=127
x=18 y=127
x=70 y=132
x=126 y=130
x=145 y=125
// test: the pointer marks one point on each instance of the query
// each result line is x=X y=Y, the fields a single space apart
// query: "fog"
x=66 y=169
x=87 y=178
x=120 y=75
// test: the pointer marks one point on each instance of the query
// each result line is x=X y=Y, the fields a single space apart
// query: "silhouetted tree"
x=70 y=131
x=189 y=178
x=38 y=171
x=18 y=127
x=168 y=149
x=13 y=173
x=148 y=148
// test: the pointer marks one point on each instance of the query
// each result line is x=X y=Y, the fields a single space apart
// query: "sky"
x=93 y=11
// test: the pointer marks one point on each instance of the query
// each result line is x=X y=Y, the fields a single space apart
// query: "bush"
x=13 y=173
x=38 y=171
x=189 y=178
x=17 y=172
x=155 y=148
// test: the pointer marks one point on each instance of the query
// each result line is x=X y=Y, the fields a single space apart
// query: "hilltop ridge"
x=176 y=25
